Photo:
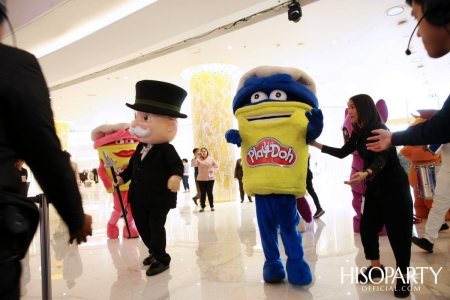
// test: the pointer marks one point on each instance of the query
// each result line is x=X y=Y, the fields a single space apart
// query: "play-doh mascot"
x=277 y=113
x=359 y=189
x=120 y=146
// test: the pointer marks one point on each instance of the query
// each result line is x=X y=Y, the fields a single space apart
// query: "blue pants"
x=186 y=182
x=279 y=211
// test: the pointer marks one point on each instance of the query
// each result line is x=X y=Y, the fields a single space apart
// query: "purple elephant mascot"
x=359 y=189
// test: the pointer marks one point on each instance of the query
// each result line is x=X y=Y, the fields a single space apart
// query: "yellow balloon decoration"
x=211 y=96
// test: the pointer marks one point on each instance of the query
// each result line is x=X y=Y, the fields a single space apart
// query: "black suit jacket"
x=149 y=177
x=27 y=131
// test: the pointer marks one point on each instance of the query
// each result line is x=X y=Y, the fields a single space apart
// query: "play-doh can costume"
x=120 y=145
x=277 y=113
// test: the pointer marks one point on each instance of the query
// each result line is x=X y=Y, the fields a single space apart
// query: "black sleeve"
x=435 y=130
x=379 y=159
x=33 y=137
x=174 y=161
x=347 y=149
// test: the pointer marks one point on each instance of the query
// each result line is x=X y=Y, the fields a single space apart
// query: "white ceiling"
x=347 y=46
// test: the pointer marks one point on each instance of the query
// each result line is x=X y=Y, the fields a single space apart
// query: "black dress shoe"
x=402 y=289
x=148 y=260
x=156 y=267
x=423 y=243
x=195 y=201
x=370 y=274
x=444 y=227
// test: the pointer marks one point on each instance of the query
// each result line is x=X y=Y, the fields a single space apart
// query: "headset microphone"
x=408 y=52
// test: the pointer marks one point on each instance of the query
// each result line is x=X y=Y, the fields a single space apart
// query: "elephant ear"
x=382 y=110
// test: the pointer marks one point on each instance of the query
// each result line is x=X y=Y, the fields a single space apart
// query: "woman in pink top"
x=207 y=166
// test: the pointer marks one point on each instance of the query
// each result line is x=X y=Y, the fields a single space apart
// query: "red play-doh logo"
x=269 y=151
x=120 y=169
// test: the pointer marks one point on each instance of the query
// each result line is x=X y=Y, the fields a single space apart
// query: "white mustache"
x=139 y=131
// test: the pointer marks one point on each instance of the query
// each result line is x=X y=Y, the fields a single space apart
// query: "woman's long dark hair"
x=367 y=112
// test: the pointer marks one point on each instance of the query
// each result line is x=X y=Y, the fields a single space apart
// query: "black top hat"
x=158 y=97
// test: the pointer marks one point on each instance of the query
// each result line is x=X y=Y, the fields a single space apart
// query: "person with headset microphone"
x=27 y=131
x=434 y=28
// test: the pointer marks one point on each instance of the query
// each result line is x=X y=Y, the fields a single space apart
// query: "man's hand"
x=80 y=235
x=381 y=142
x=119 y=181
x=174 y=183
x=357 y=178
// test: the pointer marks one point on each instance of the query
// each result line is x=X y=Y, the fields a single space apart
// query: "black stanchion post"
x=45 y=248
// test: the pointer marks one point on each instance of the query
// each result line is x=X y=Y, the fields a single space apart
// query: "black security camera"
x=295 y=12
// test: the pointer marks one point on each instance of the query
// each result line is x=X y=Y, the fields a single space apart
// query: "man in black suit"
x=155 y=169
x=27 y=131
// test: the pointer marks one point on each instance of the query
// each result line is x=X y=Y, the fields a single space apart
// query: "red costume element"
x=359 y=189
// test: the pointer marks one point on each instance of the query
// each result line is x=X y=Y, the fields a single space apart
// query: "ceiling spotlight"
x=295 y=11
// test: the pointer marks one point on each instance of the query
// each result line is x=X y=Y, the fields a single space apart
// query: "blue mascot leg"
x=268 y=228
x=285 y=208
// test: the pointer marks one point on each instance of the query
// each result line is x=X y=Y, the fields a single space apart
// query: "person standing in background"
x=207 y=166
x=238 y=174
x=95 y=172
x=21 y=176
x=312 y=192
x=27 y=131
x=186 y=175
x=196 y=152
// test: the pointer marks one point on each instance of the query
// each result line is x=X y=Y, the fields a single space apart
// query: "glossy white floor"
x=218 y=255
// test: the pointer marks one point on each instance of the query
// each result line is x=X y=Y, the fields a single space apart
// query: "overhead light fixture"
x=194 y=50
x=416 y=60
x=295 y=11
x=230 y=47
x=394 y=11
x=92 y=27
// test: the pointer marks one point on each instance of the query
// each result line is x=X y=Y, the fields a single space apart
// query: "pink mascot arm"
x=104 y=177
x=382 y=110
x=304 y=209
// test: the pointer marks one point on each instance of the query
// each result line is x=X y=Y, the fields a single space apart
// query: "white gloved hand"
x=174 y=183
x=119 y=181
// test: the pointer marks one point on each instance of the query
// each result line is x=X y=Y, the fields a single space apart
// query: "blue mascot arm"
x=315 y=125
x=233 y=137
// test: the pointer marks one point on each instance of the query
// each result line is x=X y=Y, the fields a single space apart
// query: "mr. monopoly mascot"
x=120 y=145
x=155 y=169
x=277 y=113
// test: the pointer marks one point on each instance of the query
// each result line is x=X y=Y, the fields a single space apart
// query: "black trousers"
x=389 y=202
x=206 y=188
x=10 y=280
x=150 y=224
x=310 y=189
